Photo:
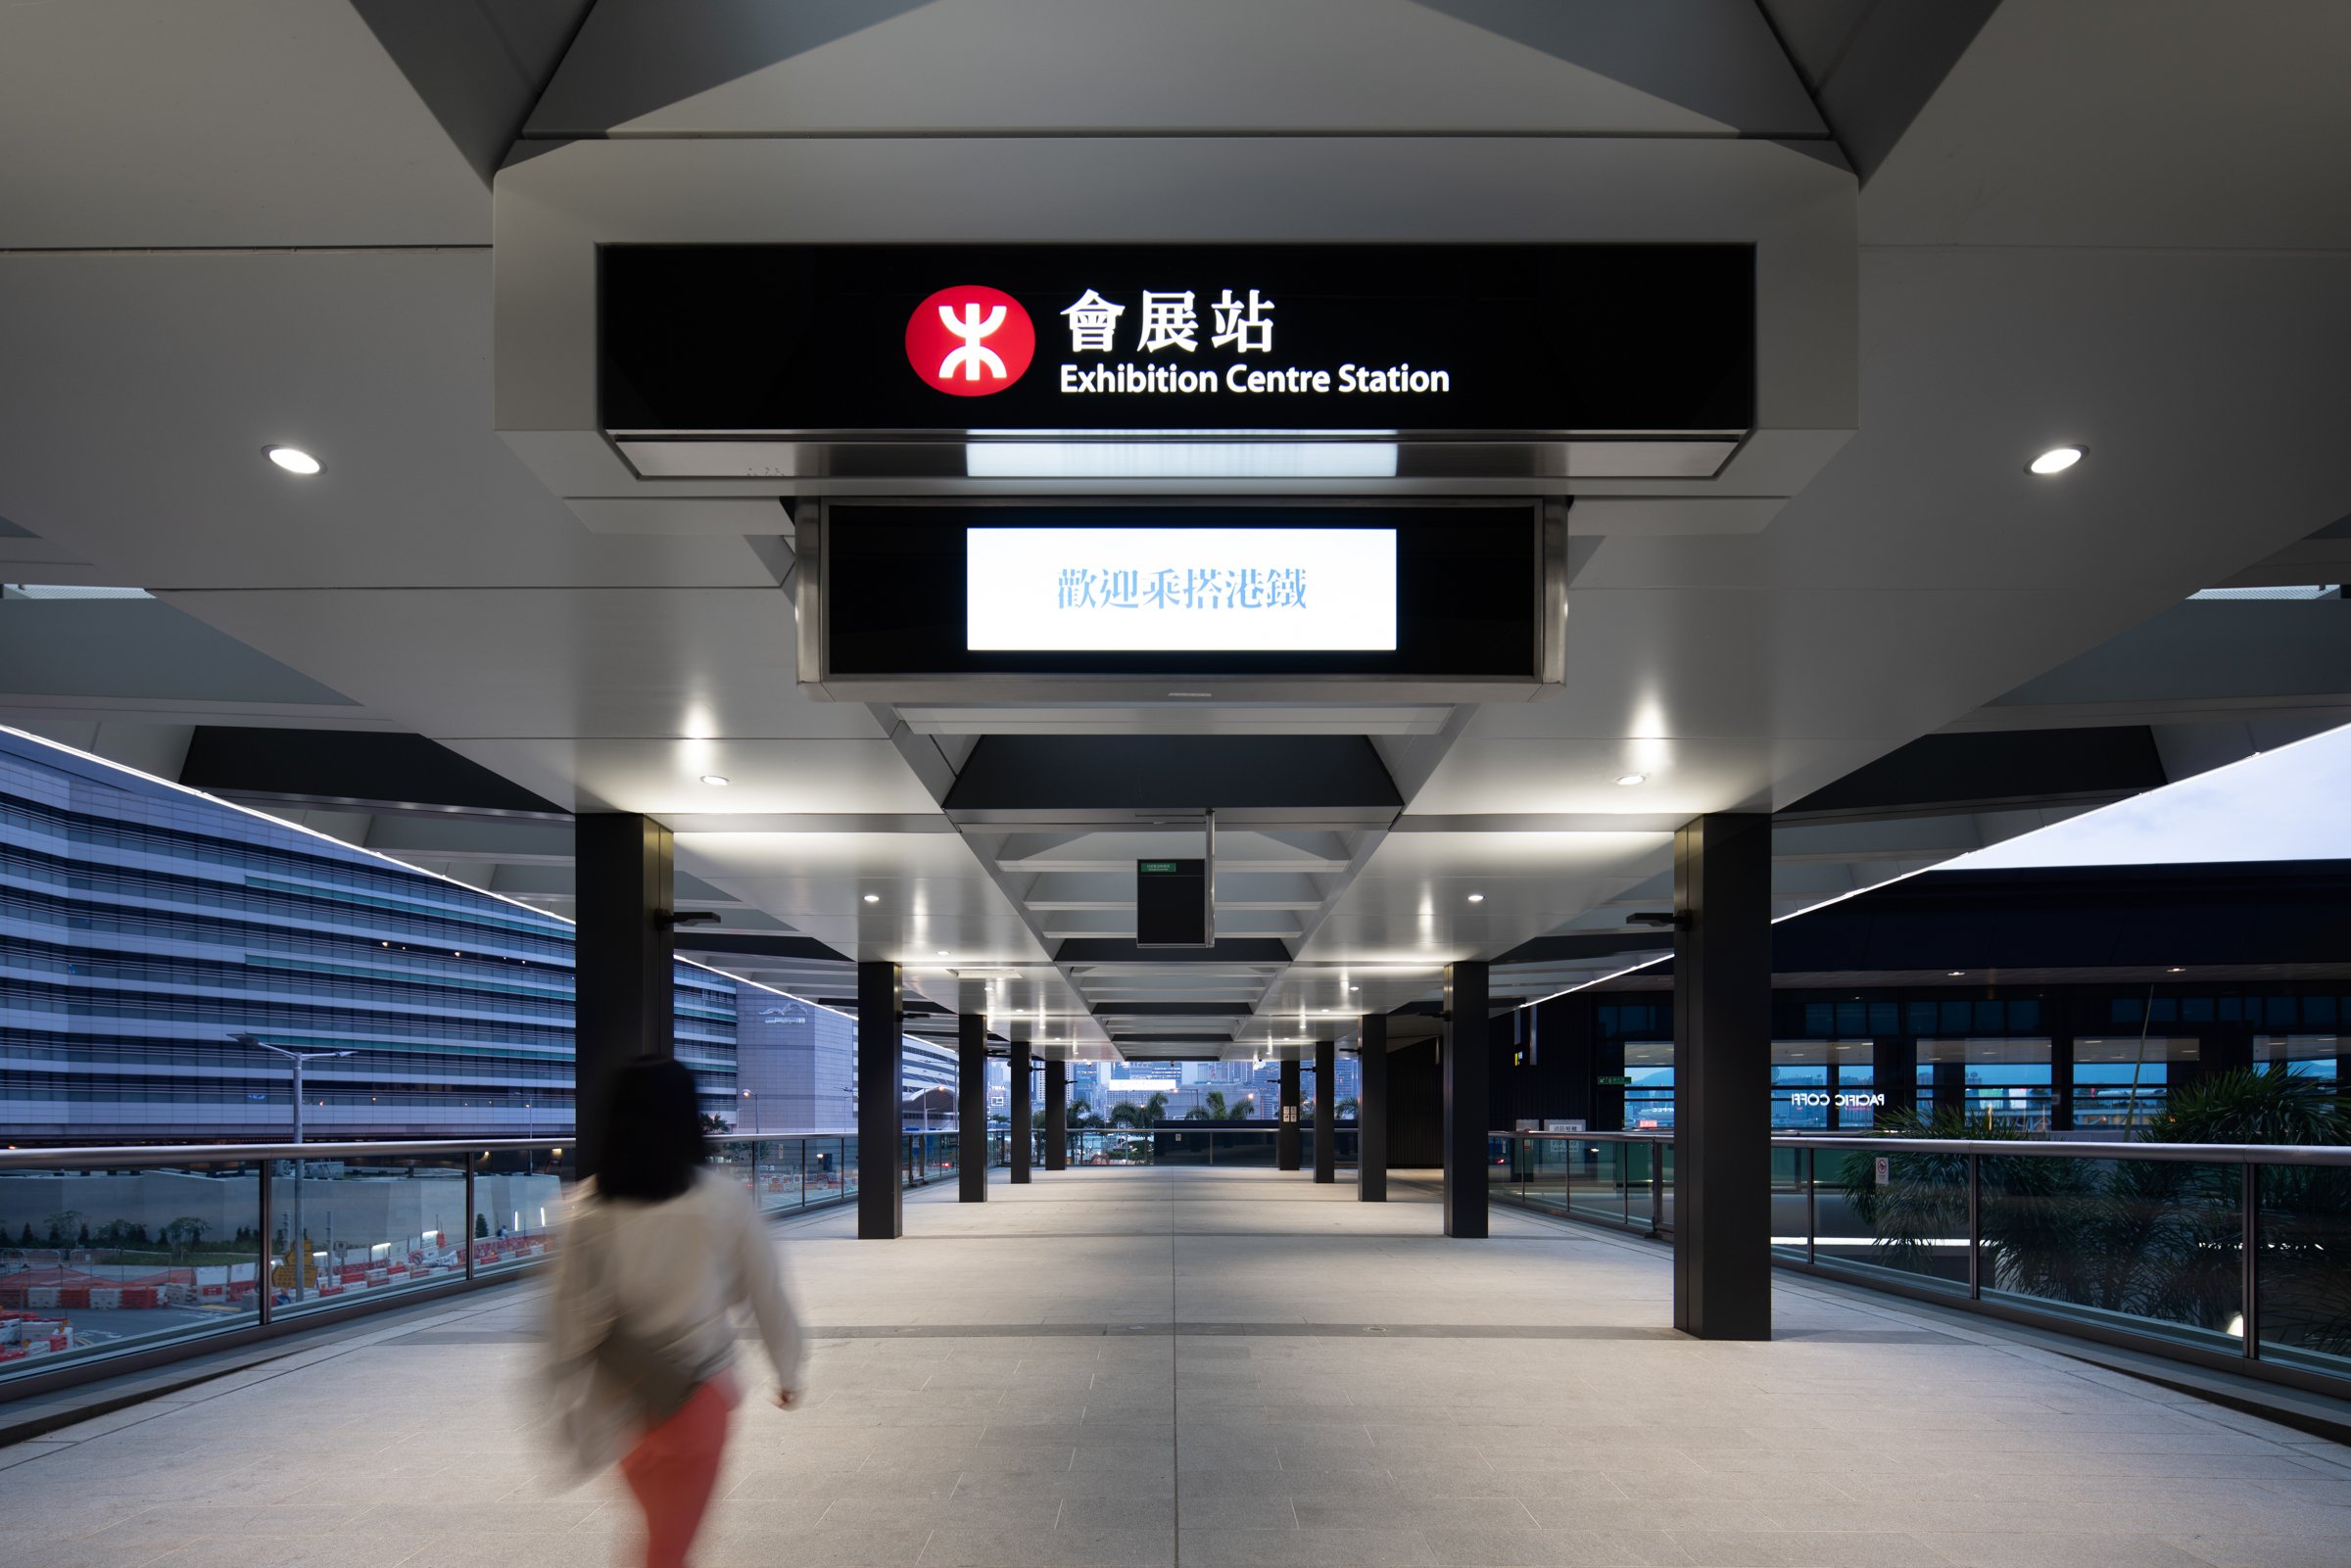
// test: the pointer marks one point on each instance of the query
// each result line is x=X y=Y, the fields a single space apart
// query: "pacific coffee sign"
x=913 y=340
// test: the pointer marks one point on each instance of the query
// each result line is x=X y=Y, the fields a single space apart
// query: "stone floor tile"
x=2052 y=1549
x=1306 y=1549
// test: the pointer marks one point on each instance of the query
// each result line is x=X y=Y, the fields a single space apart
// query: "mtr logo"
x=970 y=341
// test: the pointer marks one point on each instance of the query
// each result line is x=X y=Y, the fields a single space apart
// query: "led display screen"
x=1397 y=589
x=1180 y=590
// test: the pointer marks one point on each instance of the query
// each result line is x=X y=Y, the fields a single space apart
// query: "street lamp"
x=299 y=1059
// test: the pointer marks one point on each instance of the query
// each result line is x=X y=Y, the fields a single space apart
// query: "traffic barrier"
x=105 y=1298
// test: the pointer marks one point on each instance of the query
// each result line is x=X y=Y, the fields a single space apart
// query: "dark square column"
x=1608 y=1098
x=1285 y=1133
x=1467 y=1111
x=1569 y=1034
x=1021 y=1134
x=1950 y=1089
x=1894 y=1073
x=1326 y=1111
x=1723 y=1078
x=880 y=1096
x=1372 y=1111
x=623 y=990
x=2061 y=1083
x=970 y=1108
x=1057 y=1113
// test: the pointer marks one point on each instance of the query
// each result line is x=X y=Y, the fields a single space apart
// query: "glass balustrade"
x=2227 y=1251
x=135 y=1250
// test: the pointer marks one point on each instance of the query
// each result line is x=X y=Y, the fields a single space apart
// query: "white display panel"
x=1181 y=589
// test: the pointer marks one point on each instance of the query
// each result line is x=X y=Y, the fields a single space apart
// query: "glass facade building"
x=145 y=928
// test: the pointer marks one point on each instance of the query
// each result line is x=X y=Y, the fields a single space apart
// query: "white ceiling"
x=227 y=225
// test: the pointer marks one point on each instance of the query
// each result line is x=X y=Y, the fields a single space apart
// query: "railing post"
x=1975 y=1228
x=1812 y=1206
x=468 y=1219
x=261 y=1278
x=2249 y=1271
x=1657 y=1188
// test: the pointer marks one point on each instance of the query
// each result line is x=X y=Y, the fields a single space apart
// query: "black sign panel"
x=1171 y=903
x=1289 y=338
x=898 y=584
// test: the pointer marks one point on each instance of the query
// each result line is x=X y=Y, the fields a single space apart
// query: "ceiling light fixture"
x=2056 y=460
x=942 y=952
x=872 y=898
x=1632 y=778
x=1477 y=898
x=293 y=459
x=1954 y=973
x=715 y=779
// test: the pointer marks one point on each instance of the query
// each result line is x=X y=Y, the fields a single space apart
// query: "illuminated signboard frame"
x=757 y=360
x=1480 y=612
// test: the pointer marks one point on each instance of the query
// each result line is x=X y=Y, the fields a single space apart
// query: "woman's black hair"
x=653 y=1132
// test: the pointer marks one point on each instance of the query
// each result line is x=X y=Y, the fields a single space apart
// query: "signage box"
x=1424 y=602
x=1174 y=904
x=940 y=363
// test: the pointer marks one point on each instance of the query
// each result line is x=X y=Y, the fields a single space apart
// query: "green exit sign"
x=1614 y=1082
x=1164 y=867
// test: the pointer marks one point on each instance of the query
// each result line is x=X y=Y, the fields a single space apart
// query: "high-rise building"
x=153 y=940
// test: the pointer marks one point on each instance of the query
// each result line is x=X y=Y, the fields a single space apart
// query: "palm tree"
x=1244 y=1108
x=1214 y=1108
x=1081 y=1113
x=1155 y=1110
x=1346 y=1108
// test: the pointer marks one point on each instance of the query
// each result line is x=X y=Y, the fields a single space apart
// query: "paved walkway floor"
x=1221 y=1369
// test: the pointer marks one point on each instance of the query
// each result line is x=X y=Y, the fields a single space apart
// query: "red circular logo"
x=970 y=340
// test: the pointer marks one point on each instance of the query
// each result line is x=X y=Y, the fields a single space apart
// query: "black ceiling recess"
x=1993 y=767
x=1151 y=772
x=364 y=768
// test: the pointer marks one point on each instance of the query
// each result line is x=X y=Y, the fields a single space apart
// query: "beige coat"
x=673 y=1272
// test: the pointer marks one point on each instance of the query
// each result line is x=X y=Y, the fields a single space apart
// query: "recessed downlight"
x=293 y=459
x=1632 y=778
x=872 y=898
x=1477 y=898
x=2056 y=460
x=715 y=779
x=942 y=952
x=1954 y=973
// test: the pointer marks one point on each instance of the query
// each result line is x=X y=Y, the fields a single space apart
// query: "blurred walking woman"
x=657 y=1254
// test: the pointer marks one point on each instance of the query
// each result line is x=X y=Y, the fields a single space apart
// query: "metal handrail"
x=2200 y=1153
x=183 y=1154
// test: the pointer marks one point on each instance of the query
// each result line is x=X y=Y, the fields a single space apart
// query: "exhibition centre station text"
x=1129 y=378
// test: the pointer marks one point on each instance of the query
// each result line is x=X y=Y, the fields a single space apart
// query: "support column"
x=623 y=988
x=1467 y=1111
x=1372 y=1111
x=1723 y=1078
x=1021 y=1133
x=1950 y=1089
x=970 y=1108
x=880 y=1096
x=1327 y=1111
x=2061 y=1083
x=1286 y=1134
x=1894 y=1073
x=1057 y=1113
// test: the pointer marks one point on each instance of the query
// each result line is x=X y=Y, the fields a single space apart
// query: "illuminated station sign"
x=1174 y=340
